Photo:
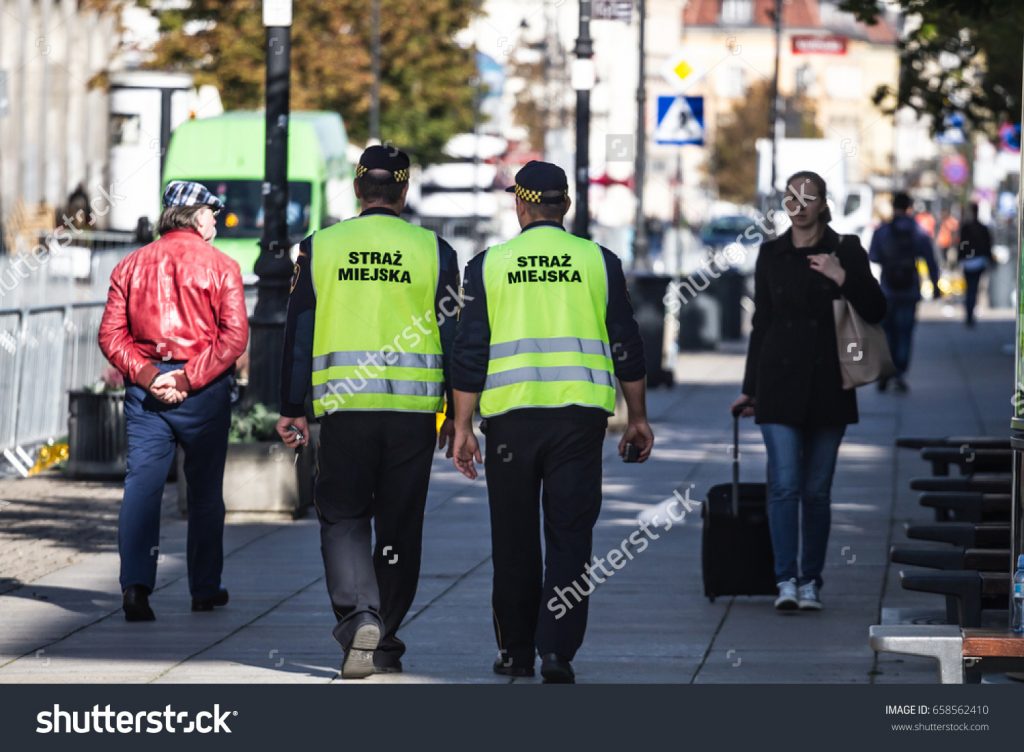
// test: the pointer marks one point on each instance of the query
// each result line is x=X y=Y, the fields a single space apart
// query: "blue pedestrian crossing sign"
x=680 y=120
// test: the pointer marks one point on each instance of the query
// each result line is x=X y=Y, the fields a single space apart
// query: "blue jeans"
x=801 y=462
x=899 y=331
x=200 y=424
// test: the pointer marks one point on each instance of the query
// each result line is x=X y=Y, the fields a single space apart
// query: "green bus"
x=225 y=153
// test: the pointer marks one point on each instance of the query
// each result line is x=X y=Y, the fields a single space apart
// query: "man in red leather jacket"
x=174 y=325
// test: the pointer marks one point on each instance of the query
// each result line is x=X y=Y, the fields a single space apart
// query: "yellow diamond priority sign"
x=681 y=71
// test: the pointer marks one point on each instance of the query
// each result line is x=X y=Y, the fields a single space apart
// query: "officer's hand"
x=465 y=449
x=639 y=434
x=294 y=432
x=446 y=436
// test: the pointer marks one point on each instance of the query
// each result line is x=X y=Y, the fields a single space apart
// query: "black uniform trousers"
x=373 y=468
x=550 y=458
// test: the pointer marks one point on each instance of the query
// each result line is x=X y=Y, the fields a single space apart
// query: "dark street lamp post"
x=274 y=265
x=640 y=239
x=375 y=72
x=583 y=82
x=774 y=113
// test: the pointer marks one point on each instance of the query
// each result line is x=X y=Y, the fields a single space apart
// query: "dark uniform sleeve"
x=446 y=305
x=297 y=363
x=623 y=332
x=473 y=335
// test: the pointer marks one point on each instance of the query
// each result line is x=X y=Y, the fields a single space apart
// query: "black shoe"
x=358 y=663
x=901 y=385
x=883 y=383
x=207 y=604
x=386 y=664
x=556 y=670
x=505 y=666
x=136 y=604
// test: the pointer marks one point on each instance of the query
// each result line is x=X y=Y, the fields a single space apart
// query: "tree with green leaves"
x=426 y=90
x=734 y=151
x=957 y=56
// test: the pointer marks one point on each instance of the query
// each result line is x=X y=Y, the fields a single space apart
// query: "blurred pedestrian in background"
x=974 y=252
x=925 y=220
x=174 y=325
x=896 y=246
x=793 y=384
x=945 y=237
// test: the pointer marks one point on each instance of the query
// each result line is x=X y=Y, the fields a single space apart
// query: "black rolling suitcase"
x=736 y=548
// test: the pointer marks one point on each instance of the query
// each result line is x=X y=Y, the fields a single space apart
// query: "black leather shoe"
x=556 y=670
x=386 y=665
x=136 y=604
x=506 y=667
x=207 y=604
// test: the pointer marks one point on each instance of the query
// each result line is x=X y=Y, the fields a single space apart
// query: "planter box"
x=263 y=478
x=97 y=443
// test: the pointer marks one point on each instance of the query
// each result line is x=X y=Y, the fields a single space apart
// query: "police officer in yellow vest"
x=545 y=328
x=371 y=319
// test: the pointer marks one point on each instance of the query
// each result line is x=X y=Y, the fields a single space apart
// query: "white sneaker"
x=787 y=600
x=809 y=598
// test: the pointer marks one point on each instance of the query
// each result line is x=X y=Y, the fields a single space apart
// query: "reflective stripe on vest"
x=546 y=303
x=376 y=342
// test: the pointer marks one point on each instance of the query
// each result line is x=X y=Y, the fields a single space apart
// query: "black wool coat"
x=792 y=369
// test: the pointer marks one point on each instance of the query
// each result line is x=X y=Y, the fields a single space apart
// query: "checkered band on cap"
x=527 y=195
x=537 y=197
x=189 y=193
x=400 y=176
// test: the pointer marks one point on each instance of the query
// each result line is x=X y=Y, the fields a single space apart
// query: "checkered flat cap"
x=541 y=183
x=189 y=193
x=386 y=158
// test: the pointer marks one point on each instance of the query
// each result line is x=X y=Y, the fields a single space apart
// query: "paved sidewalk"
x=60 y=618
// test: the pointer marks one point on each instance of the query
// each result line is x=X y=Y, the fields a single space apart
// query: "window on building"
x=804 y=79
x=730 y=82
x=737 y=11
x=844 y=82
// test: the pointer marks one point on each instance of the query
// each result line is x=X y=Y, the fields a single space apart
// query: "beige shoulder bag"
x=863 y=349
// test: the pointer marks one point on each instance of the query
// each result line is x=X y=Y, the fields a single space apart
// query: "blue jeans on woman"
x=200 y=425
x=801 y=462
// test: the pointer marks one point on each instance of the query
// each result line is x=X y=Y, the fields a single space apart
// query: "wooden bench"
x=966 y=506
x=964 y=534
x=979 y=442
x=967 y=592
x=997 y=483
x=952 y=559
x=970 y=459
x=963 y=655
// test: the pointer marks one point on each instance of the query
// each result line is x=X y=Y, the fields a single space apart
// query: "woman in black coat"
x=793 y=384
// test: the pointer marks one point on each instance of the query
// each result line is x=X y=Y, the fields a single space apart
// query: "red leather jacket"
x=178 y=298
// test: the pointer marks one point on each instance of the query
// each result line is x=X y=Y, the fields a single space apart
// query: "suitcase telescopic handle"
x=736 y=463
